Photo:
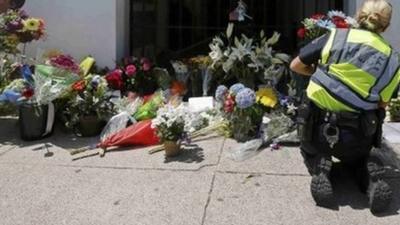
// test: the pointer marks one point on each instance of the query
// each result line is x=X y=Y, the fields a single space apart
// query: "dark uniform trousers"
x=358 y=134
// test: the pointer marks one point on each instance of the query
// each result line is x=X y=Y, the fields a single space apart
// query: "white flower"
x=291 y=109
x=255 y=62
x=179 y=67
x=336 y=13
x=216 y=53
x=228 y=64
x=352 y=22
x=274 y=39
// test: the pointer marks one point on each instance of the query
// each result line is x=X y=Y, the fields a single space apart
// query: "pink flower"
x=146 y=64
x=131 y=70
x=65 y=62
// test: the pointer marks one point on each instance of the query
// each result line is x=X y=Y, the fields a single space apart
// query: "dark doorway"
x=184 y=28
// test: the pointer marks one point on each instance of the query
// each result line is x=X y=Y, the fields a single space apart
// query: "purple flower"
x=14 y=26
x=220 y=93
x=236 y=88
x=245 y=98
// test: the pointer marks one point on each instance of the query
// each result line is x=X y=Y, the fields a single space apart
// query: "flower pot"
x=172 y=148
x=36 y=121
x=89 y=126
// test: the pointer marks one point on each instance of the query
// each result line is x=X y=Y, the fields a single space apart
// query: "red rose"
x=340 y=22
x=79 y=86
x=114 y=79
x=318 y=16
x=301 y=33
x=131 y=70
x=229 y=105
x=28 y=93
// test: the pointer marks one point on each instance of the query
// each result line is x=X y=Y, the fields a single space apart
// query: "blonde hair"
x=375 y=15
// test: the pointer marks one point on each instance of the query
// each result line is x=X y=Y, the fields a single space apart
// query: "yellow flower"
x=267 y=97
x=31 y=24
x=12 y=40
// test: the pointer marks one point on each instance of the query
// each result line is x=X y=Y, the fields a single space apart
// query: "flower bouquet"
x=17 y=27
x=200 y=76
x=247 y=60
x=34 y=94
x=179 y=85
x=241 y=111
x=134 y=75
x=90 y=107
x=170 y=126
x=319 y=24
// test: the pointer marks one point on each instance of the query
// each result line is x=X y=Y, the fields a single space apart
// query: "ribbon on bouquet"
x=50 y=119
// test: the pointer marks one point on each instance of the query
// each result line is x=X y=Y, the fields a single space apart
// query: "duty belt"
x=331 y=122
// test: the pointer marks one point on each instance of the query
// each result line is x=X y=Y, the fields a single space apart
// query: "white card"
x=201 y=104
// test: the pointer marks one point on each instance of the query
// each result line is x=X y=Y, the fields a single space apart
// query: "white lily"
x=274 y=39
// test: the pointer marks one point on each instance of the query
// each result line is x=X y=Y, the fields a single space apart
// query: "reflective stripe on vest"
x=357 y=68
x=341 y=92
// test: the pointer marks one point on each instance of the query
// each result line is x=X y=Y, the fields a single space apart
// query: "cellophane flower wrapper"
x=50 y=83
x=181 y=71
x=246 y=150
x=149 y=110
x=120 y=121
x=275 y=125
x=206 y=78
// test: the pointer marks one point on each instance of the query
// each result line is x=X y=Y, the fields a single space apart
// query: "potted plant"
x=34 y=95
x=170 y=126
x=89 y=106
x=394 y=110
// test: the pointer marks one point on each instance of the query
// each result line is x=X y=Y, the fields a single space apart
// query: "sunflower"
x=267 y=97
x=32 y=24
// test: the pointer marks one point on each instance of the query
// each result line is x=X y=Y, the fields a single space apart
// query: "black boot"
x=321 y=186
x=379 y=192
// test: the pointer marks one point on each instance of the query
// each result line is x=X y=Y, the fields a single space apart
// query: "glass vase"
x=241 y=126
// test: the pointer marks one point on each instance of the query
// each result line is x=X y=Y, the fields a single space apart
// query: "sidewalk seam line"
x=203 y=220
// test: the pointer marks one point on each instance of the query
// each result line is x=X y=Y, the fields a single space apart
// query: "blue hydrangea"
x=236 y=88
x=220 y=93
x=245 y=98
x=327 y=24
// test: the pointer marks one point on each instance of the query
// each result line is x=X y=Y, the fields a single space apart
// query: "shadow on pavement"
x=190 y=154
x=348 y=193
x=10 y=135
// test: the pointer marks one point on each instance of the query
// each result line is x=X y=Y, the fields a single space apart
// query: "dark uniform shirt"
x=311 y=54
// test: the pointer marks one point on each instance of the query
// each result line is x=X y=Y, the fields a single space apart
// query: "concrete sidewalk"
x=200 y=187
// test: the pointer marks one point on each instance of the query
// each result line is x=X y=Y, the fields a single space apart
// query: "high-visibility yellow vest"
x=358 y=69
